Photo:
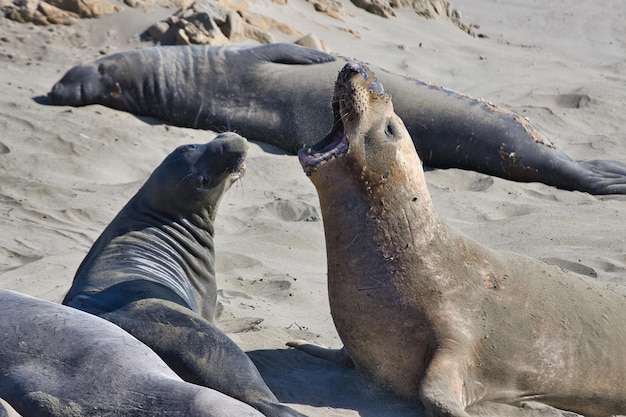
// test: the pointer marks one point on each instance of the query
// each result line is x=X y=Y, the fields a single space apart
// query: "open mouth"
x=333 y=145
x=336 y=143
x=237 y=168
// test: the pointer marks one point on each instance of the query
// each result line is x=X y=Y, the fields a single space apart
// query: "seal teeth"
x=334 y=145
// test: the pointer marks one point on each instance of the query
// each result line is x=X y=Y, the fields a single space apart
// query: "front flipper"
x=290 y=54
x=339 y=356
x=443 y=390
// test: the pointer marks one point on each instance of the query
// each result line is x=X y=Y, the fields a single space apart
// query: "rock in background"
x=209 y=23
x=64 y=12
x=212 y=22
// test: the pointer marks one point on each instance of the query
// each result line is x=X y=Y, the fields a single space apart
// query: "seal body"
x=433 y=315
x=57 y=361
x=278 y=94
x=152 y=273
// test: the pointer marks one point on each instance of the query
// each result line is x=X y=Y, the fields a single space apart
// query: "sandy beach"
x=65 y=172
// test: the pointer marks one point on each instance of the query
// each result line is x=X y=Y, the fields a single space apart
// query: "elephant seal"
x=57 y=361
x=431 y=314
x=277 y=94
x=152 y=273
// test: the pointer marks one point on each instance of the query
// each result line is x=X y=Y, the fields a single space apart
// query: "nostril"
x=355 y=66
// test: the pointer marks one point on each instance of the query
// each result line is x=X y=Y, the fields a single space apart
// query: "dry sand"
x=65 y=172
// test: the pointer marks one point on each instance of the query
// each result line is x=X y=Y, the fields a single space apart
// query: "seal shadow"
x=45 y=101
x=298 y=378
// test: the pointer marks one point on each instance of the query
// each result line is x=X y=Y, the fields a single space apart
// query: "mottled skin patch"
x=432 y=315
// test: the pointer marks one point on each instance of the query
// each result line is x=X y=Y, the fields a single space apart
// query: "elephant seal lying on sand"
x=433 y=315
x=152 y=273
x=57 y=361
x=278 y=94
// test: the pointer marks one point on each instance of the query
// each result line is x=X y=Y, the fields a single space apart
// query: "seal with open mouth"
x=430 y=314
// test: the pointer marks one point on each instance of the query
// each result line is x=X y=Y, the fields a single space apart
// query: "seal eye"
x=203 y=182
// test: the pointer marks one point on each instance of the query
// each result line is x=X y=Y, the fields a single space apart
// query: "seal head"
x=350 y=104
x=81 y=85
x=193 y=178
x=367 y=135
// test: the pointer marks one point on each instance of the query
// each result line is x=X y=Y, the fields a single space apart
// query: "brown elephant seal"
x=152 y=273
x=56 y=361
x=431 y=314
x=278 y=94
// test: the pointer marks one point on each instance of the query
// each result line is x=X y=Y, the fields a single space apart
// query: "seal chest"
x=369 y=191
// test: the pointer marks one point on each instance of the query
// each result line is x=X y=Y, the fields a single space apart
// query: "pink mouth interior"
x=333 y=145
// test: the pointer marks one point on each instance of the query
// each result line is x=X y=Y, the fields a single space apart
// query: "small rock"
x=312 y=41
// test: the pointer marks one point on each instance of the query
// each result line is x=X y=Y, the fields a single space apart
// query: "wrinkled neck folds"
x=144 y=245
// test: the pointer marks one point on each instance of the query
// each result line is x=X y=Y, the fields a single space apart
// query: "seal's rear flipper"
x=291 y=54
x=339 y=356
x=604 y=176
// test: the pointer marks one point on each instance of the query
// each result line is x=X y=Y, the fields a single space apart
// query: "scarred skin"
x=278 y=94
x=432 y=315
x=152 y=272
x=56 y=361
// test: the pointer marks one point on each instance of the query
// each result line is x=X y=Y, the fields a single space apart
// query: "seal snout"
x=231 y=150
x=354 y=67
x=78 y=87
x=351 y=68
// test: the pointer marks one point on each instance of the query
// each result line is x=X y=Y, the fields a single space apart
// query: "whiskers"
x=346 y=107
x=239 y=184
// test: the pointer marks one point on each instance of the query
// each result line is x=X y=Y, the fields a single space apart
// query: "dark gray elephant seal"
x=56 y=361
x=278 y=94
x=152 y=273
x=431 y=314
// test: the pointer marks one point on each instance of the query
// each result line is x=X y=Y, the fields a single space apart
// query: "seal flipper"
x=291 y=54
x=443 y=390
x=339 y=356
x=603 y=176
